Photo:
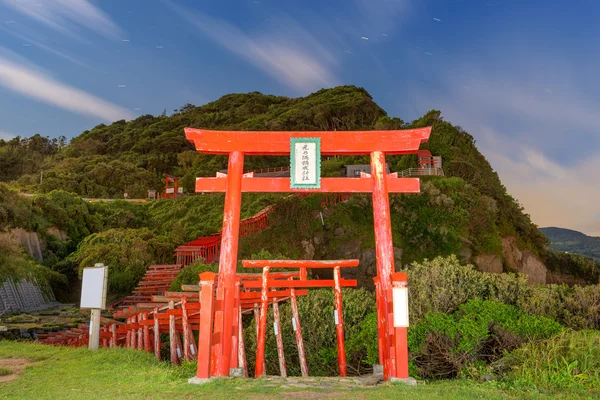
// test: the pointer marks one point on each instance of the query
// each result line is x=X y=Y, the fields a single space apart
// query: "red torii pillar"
x=237 y=144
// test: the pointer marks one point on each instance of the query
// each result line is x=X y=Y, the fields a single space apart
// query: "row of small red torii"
x=393 y=349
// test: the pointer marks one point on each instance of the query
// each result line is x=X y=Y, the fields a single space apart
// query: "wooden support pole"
x=262 y=326
x=256 y=317
x=384 y=250
x=339 y=322
x=228 y=260
x=173 y=334
x=298 y=332
x=207 y=298
x=113 y=340
x=279 y=339
x=187 y=353
x=146 y=328
x=242 y=347
x=133 y=334
x=94 y=330
x=380 y=327
x=140 y=333
x=156 y=334
x=236 y=321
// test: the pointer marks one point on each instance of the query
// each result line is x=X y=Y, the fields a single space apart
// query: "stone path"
x=362 y=382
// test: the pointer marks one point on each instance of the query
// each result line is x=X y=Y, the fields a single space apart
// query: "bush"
x=577 y=307
x=318 y=331
x=443 y=345
x=570 y=360
x=189 y=274
x=127 y=253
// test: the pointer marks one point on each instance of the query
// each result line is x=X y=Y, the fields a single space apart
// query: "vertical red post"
x=207 y=298
x=256 y=317
x=229 y=249
x=236 y=322
x=384 y=250
x=298 y=331
x=133 y=334
x=217 y=345
x=128 y=334
x=173 y=334
x=147 y=345
x=262 y=325
x=156 y=334
x=241 y=346
x=400 y=279
x=380 y=329
x=279 y=339
x=339 y=321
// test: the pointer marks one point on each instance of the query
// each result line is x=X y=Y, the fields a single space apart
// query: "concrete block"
x=407 y=381
x=199 y=381
x=377 y=369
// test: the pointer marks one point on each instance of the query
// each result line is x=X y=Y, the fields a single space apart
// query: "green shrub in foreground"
x=570 y=360
x=443 y=345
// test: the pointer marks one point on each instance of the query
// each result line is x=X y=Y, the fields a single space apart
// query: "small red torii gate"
x=235 y=144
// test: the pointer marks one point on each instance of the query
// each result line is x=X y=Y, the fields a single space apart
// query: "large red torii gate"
x=375 y=143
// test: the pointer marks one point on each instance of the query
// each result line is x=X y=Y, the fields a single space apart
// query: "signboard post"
x=93 y=296
x=305 y=163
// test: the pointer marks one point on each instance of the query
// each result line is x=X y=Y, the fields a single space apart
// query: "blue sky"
x=520 y=76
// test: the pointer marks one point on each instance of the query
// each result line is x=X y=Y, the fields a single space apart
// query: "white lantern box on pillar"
x=400 y=304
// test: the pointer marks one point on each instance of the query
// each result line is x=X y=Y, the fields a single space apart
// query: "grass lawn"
x=76 y=373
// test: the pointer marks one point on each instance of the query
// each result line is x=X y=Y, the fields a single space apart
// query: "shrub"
x=570 y=360
x=443 y=345
x=189 y=274
x=318 y=331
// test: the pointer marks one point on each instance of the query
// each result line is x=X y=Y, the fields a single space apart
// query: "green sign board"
x=305 y=163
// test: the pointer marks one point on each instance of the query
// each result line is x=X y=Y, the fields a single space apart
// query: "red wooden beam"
x=332 y=142
x=317 y=283
x=299 y=264
x=328 y=185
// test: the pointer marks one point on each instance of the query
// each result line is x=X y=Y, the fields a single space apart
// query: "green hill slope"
x=468 y=213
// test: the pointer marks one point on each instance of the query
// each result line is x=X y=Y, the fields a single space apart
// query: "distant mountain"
x=573 y=242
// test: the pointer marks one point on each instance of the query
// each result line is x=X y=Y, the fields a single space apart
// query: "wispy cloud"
x=553 y=194
x=29 y=39
x=287 y=51
x=537 y=124
x=66 y=16
x=21 y=78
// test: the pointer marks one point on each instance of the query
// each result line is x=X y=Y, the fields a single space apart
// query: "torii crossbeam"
x=375 y=143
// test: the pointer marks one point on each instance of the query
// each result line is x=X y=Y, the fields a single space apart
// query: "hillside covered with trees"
x=567 y=240
x=468 y=212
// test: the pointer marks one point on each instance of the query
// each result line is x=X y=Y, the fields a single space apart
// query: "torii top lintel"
x=406 y=141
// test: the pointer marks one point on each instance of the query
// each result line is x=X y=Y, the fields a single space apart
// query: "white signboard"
x=93 y=288
x=170 y=190
x=305 y=163
x=400 y=304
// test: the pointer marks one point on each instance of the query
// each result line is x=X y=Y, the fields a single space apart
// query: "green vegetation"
x=570 y=361
x=75 y=373
x=567 y=240
x=5 y=371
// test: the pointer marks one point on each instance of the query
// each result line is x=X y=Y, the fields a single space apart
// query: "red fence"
x=208 y=248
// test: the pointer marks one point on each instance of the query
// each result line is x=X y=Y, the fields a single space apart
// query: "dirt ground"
x=16 y=365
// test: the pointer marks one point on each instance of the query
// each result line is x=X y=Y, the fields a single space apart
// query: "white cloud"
x=7 y=135
x=543 y=144
x=66 y=16
x=288 y=53
x=30 y=82
x=553 y=194
x=44 y=47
